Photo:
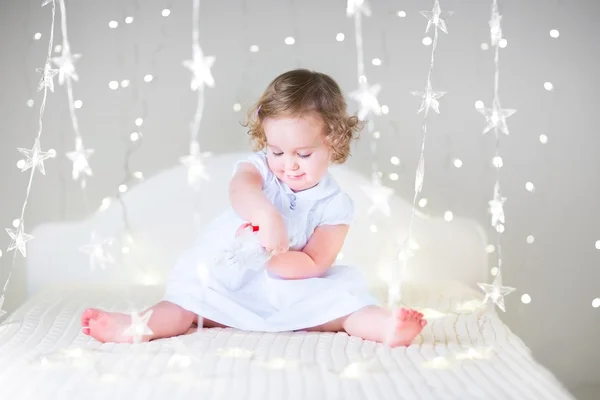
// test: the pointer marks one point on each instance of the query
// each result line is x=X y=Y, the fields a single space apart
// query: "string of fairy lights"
x=430 y=100
x=200 y=66
x=101 y=250
x=81 y=169
x=495 y=117
x=66 y=75
x=132 y=135
x=35 y=158
x=368 y=105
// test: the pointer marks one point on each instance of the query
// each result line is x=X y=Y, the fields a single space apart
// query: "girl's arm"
x=315 y=258
x=250 y=203
x=247 y=197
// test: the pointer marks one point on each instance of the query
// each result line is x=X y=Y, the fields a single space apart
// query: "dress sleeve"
x=259 y=160
x=338 y=211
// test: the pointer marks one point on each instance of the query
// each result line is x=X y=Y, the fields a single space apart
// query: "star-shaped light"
x=139 y=326
x=47 y=2
x=358 y=6
x=35 y=157
x=66 y=69
x=436 y=17
x=80 y=157
x=367 y=98
x=496 y=117
x=497 y=206
x=47 y=79
x=200 y=67
x=99 y=253
x=18 y=239
x=495 y=28
x=429 y=99
x=496 y=292
x=379 y=195
x=196 y=170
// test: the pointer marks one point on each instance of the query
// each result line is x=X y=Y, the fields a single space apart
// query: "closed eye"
x=299 y=155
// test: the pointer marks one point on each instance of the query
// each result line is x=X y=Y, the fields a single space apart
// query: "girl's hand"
x=247 y=227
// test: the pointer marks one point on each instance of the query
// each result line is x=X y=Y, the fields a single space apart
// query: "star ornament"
x=354 y=7
x=18 y=239
x=99 y=254
x=437 y=17
x=196 y=170
x=496 y=292
x=139 y=326
x=48 y=74
x=496 y=117
x=80 y=157
x=200 y=67
x=380 y=196
x=35 y=157
x=366 y=96
x=65 y=64
x=429 y=99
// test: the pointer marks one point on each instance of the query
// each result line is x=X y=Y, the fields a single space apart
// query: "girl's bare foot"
x=406 y=325
x=106 y=326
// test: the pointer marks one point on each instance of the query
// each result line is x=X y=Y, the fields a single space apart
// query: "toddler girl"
x=284 y=195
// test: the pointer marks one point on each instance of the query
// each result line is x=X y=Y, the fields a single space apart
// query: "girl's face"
x=296 y=150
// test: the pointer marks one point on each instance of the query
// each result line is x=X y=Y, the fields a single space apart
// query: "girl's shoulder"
x=338 y=207
x=259 y=161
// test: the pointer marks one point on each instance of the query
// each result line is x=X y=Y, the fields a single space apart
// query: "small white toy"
x=243 y=254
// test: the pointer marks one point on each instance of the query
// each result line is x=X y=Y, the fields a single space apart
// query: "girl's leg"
x=379 y=325
x=167 y=320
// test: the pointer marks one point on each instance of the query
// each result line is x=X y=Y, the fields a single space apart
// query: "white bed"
x=465 y=352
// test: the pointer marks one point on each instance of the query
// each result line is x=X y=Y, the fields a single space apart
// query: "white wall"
x=559 y=271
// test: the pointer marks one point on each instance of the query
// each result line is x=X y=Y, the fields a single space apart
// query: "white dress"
x=259 y=300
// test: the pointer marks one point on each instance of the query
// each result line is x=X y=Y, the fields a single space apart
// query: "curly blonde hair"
x=299 y=91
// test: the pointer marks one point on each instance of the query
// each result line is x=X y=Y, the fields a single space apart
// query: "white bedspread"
x=470 y=355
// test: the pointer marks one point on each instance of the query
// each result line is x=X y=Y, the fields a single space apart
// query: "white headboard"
x=160 y=213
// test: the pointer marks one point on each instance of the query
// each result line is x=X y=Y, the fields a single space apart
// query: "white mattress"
x=43 y=355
